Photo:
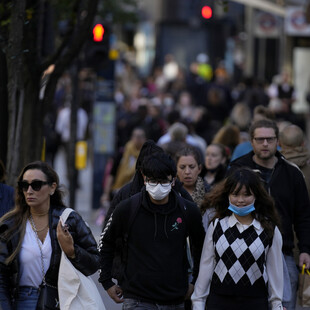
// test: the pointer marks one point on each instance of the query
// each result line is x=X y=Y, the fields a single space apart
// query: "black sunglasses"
x=35 y=185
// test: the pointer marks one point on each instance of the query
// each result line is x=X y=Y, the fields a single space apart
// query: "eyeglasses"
x=261 y=140
x=154 y=183
x=35 y=185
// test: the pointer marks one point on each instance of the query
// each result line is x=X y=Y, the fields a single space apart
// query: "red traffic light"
x=206 y=12
x=98 y=32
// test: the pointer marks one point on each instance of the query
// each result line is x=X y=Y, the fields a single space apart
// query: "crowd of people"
x=206 y=199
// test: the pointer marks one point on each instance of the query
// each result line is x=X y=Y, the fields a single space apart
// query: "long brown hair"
x=20 y=213
x=265 y=211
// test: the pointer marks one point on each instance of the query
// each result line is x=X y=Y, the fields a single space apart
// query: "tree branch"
x=77 y=40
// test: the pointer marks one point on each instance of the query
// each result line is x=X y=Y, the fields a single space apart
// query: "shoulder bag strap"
x=65 y=214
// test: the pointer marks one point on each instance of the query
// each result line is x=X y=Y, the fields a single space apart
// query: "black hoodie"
x=156 y=268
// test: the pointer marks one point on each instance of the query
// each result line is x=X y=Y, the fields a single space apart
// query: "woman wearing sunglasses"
x=30 y=235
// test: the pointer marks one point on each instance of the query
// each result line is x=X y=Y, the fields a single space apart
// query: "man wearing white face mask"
x=155 y=258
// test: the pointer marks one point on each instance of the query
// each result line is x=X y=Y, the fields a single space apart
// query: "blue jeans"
x=134 y=304
x=293 y=274
x=27 y=298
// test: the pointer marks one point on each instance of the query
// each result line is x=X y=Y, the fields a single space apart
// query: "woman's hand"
x=65 y=240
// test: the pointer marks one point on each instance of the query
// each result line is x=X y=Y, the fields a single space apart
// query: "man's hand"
x=304 y=258
x=189 y=291
x=116 y=293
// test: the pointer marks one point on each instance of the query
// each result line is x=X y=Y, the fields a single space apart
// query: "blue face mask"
x=241 y=211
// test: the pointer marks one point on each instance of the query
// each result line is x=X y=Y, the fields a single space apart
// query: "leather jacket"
x=86 y=254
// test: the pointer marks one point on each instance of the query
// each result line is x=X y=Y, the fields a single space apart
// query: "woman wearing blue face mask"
x=239 y=266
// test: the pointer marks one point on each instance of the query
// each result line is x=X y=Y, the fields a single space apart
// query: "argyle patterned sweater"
x=240 y=267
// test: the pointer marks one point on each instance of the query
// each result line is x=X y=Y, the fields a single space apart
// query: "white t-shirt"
x=30 y=258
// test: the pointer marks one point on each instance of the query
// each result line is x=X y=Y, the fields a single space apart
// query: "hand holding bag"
x=304 y=287
x=76 y=291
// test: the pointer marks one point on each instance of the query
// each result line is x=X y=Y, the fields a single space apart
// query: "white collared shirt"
x=207 y=265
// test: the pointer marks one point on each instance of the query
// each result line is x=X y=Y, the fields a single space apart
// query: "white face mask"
x=159 y=191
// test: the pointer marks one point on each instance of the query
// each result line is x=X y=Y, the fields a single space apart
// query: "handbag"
x=76 y=291
x=48 y=298
x=304 y=287
x=48 y=294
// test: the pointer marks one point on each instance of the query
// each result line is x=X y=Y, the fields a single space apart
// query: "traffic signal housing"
x=98 y=46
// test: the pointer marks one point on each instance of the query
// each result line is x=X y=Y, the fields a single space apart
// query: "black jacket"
x=156 y=266
x=288 y=189
x=86 y=254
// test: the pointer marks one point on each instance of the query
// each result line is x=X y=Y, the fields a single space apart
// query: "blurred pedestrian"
x=178 y=133
x=155 y=265
x=124 y=165
x=286 y=185
x=216 y=159
x=62 y=127
x=228 y=135
x=31 y=236
x=239 y=267
x=293 y=148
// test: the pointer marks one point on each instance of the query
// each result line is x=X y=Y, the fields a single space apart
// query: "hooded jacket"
x=156 y=266
x=86 y=254
x=288 y=189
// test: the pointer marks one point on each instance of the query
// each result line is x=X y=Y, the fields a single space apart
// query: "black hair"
x=159 y=166
x=218 y=198
x=148 y=148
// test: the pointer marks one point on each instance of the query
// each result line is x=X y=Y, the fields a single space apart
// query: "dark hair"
x=148 y=148
x=264 y=123
x=21 y=211
x=159 y=166
x=265 y=211
x=188 y=151
x=51 y=177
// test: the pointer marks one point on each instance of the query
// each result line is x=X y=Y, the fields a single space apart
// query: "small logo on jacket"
x=175 y=226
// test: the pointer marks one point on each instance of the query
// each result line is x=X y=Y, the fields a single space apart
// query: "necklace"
x=34 y=226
